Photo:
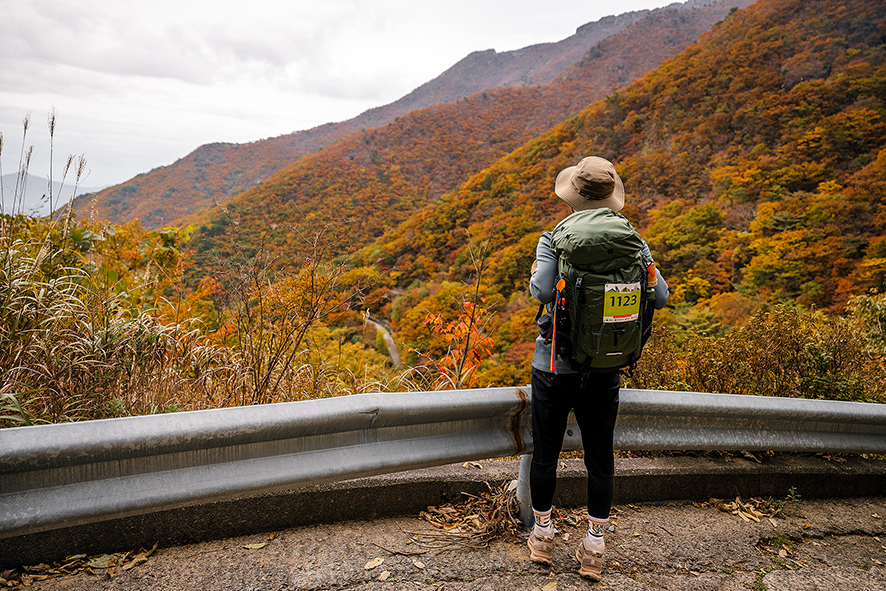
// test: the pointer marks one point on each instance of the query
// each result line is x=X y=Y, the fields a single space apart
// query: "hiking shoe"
x=540 y=546
x=591 y=558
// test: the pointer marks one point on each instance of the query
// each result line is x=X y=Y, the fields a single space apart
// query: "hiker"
x=557 y=388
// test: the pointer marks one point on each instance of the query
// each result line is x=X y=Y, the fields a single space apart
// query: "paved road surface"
x=386 y=335
x=824 y=545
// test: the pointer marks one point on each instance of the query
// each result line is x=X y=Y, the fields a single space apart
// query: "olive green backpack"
x=604 y=306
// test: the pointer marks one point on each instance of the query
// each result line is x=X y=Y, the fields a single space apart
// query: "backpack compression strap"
x=557 y=303
x=576 y=329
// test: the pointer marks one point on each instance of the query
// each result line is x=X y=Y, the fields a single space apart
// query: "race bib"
x=622 y=302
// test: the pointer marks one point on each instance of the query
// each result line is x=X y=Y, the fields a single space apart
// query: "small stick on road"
x=399 y=552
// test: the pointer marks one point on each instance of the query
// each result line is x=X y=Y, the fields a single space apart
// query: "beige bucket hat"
x=591 y=184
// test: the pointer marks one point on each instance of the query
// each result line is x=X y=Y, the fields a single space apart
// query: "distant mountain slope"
x=204 y=176
x=375 y=179
x=215 y=171
x=34 y=198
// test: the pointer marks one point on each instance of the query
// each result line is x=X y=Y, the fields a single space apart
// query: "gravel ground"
x=823 y=545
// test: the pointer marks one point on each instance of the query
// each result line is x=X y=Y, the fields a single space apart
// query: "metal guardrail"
x=56 y=476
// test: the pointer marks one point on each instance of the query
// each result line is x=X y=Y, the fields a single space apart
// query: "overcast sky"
x=137 y=85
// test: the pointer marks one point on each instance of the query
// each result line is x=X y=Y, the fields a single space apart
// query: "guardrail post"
x=523 y=496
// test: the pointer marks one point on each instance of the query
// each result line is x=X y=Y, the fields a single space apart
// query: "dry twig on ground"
x=471 y=523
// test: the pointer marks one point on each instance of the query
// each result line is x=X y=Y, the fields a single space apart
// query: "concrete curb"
x=638 y=480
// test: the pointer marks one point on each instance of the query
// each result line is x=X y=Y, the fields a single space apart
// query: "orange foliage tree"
x=467 y=337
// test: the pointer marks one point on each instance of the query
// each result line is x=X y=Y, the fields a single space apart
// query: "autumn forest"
x=751 y=139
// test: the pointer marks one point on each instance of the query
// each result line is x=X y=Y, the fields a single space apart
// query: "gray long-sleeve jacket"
x=542 y=287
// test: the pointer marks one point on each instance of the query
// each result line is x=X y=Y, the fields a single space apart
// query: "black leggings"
x=595 y=402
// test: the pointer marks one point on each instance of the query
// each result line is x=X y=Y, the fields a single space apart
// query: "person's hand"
x=534 y=268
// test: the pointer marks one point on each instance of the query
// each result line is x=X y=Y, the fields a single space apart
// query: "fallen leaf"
x=875 y=516
x=258 y=546
x=696 y=573
x=783 y=553
x=418 y=563
x=272 y=536
x=772 y=521
x=573 y=520
x=751 y=456
x=136 y=560
x=105 y=560
x=552 y=586
x=442 y=510
x=474 y=464
x=373 y=563
x=384 y=575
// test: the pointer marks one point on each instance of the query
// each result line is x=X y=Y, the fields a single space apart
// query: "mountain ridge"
x=378 y=177
x=536 y=64
x=213 y=172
